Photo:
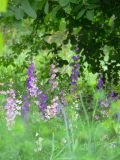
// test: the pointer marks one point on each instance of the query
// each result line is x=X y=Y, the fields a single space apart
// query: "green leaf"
x=1 y=44
x=81 y=13
x=28 y=9
x=62 y=26
x=20 y=59
x=67 y=9
x=90 y=15
x=19 y=13
x=54 y=11
x=92 y=6
x=3 y=5
x=74 y=1
x=63 y=3
x=46 y=9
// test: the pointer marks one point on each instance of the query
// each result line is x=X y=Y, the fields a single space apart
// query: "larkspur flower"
x=104 y=106
x=53 y=77
x=12 y=107
x=75 y=72
x=31 y=82
x=42 y=99
x=62 y=98
x=77 y=49
x=113 y=95
x=104 y=103
x=100 y=83
x=52 y=110
x=75 y=58
x=25 y=108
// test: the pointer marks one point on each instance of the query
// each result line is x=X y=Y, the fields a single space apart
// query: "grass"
x=64 y=137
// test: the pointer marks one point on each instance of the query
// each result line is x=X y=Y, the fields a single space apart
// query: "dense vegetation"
x=59 y=79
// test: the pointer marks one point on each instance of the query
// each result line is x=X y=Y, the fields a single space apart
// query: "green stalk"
x=67 y=128
x=85 y=112
x=87 y=120
x=53 y=147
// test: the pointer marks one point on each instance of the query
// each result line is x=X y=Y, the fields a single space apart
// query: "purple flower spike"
x=113 y=95
x=25 y=98
x=75 y=72
x=31 y=82
x=104 y=103
x=74 y=58
x=53 y=77
x=25 y=109
x=42 y=98
x=12 y=107
x=77 y=65
x=100 y=83
x=77 y=49
x=78 y=56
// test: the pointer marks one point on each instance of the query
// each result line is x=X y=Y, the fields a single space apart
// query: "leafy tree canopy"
x=92 y=25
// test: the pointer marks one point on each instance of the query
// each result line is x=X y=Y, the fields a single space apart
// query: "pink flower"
x=53 y=77
x=12 y=108
x=52 y=110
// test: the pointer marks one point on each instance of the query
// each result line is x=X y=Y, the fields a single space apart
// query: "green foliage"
x=1 y=44
x=19 y=13
x=28 y=9
x=3 y=5
x=46 y=32
x=63 y=3
x=97 y=141
x=92 y=25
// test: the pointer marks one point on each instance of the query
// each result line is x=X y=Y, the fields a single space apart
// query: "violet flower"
x=77 y=49
x=42 y=99
x=100 y=83
x=25 y=109
x=113 y=95
x=31 y=82
x=104 y=103
x=62 y=98
x=75 y=72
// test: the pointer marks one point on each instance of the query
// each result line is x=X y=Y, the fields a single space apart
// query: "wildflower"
x=52 y=110
x=42 y=99
x=113 y=95
x=96 y=117
x=12 y=108
x=77 y=49
x=25 y=109
x=62 y=97
x=104 y=113
x=75 y=58
x=100 y=83
x=53 y=81
x=31 y=82
x=75 y=72
x=3 y=92
x=104 y=103
x=38 y=142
